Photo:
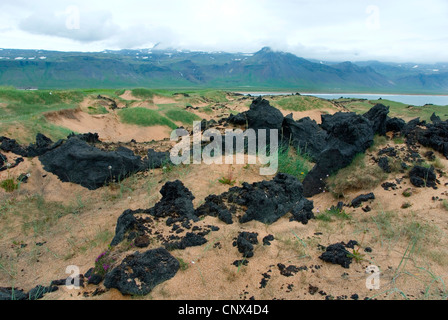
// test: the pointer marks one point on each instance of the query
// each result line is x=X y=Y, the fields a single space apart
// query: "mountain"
x=265 y=69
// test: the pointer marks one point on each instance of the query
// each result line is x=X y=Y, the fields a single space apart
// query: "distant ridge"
x=265 y=69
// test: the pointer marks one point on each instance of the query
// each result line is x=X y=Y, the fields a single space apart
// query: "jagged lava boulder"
x=263 y=116
x=305 y=135
x=349 y=134
x=176 y=206
x=3 y=160
x=140 y=273
x=337 y=254
x=395 y=124
x=378 y=117
x=265 y=201
x=176 y=203
x=43 y=144
x=423 y=177
x=435 y=136
x=77 y=162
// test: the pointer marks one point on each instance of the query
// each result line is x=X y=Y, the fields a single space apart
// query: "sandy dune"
x=108 y=126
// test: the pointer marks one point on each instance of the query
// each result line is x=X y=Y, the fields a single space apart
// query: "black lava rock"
x=268 y=239
x=8 y=294
x=349 y=135
x=40 y=291
x=356 y=203
x=423 y=177
x=78 y=162
x=395 y=125
x=305 y=135
x=337 y=254
x=176 y=203
x=265 y=201
x=140 y=273
x=126 y=223
x=190 y=240
x=378 y=117
x=245 y=243
x=383 y=163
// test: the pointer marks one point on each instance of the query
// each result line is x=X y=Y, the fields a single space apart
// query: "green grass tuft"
x=293 y=162
x=145 y=117
x=182 y=116
x=359 y=175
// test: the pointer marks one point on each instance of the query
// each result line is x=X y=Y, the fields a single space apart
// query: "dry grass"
x=360 y=175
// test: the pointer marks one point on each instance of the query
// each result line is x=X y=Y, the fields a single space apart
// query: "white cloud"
x=71 y=24
x=329 y=30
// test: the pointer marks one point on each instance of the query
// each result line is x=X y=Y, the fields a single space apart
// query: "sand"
x=109 y=127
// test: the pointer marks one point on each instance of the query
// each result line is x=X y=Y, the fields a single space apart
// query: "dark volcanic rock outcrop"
x=3 y=160
x=337 y=254
x=11 y=145
x=265 y=201
x=42 y=145
x=378 y=117
x=140 y=273
x=435 y=136
x=90 y=138
x=175 y=209
x=357 y=202
x=395 y=125
x=126 y=224
x=155 y=159
x=349 y=135
x=263 y=116
x=333 y=144
x=78 y=162
x=435 y=118
x=423 y=177
x=8 y=294
x=245 y=243
x=176 y=203
x=305 y=135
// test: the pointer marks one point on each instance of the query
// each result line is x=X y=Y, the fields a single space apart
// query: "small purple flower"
x=101 y=256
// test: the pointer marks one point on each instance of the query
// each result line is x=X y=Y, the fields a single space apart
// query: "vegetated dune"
x=48 y=225
x=108 y=126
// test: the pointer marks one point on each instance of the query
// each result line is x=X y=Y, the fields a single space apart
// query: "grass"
x=22 y=112
x=96 y=110
x=143 y=93
x=438 y=164
x=294 y=162
x=40 y=97
x=145 y=117
x=334 y=212
x=378 y=141
x=9 y=185
x=35 y=214
x=207 y=110
x=215 y=96
x=25 y=131
x=359 y=175
x=357 y=255
x=183 y=265
x=302 y=103
x=397 y=109
x=445 y=204
x=228 y=179
x=179 y=115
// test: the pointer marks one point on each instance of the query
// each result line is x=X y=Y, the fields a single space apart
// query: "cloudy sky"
x=398 y=30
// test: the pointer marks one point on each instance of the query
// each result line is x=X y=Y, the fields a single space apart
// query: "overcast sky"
x=394 y=30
